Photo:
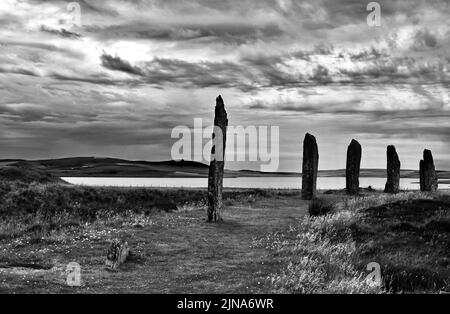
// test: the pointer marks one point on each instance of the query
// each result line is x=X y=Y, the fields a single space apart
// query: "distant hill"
x=115 y=167
x=25 y=172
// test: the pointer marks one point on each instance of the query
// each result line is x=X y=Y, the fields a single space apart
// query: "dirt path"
x=177 y=253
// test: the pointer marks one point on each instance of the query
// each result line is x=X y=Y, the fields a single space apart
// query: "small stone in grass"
x=117 y=254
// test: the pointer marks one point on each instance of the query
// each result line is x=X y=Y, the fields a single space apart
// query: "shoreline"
x=230 y=189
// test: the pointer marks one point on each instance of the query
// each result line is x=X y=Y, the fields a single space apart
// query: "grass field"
x=266 y=243
x=172 y=251
x=407 y=235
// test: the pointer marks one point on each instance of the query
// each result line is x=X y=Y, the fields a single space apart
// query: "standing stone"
x=354 y=152
x=310 y=167
x=428 y=175
x=421 y=178
x=393 y=171
x=216 y=166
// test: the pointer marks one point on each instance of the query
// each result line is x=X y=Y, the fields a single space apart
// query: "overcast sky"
x=117 y=84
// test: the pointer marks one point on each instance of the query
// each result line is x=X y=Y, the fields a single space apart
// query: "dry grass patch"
x=408 y=234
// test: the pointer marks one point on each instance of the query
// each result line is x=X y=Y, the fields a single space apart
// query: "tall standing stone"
x=393 y=171
x=216 y=166
x=421 y=178
x=354 y=152
x=428 y=175
x=310 y=167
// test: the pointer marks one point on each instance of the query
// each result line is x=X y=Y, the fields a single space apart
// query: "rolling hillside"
x=114 y=167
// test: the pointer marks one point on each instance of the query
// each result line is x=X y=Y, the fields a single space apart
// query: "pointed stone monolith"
x=428 y=175
x=393 y=171
x=216 y=166
x=309 y=167
x=354 y=152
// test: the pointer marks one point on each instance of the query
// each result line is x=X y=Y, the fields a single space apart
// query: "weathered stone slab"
x=393 y=171
x=354 y=152
x=117 y=254
x=216 y=166
x=428 y=175
x=309 y=167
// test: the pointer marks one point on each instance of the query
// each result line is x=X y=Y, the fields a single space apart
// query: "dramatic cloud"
x=60 y=32
x=115 y=79
x=117 y=64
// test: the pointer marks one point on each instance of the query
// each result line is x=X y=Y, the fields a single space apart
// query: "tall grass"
x=17 y=198
x=319 y=207
x=66 y=226
x=50 y=211
x=318 y=254
x=321 y=254
x=355 y=204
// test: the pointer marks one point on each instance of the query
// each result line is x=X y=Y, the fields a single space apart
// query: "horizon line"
x=205 y=164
